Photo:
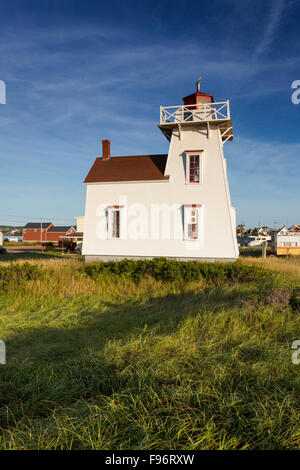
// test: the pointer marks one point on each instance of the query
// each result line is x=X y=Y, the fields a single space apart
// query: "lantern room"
x=198 y=97
x=198 y=109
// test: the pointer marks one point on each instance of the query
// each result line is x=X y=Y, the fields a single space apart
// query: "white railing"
x=195 y=112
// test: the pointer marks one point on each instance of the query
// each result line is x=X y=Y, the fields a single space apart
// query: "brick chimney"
x=105 y=149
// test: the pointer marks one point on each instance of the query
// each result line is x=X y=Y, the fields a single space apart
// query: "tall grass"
x=282 y=264
x=110 y=363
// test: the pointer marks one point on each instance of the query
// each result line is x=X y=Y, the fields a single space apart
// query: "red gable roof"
x=61 y=229
x=130 y=168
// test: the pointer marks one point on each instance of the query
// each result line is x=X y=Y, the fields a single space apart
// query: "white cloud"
x=271 y=27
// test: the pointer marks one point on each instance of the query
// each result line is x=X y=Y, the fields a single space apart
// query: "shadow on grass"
x=47 y=367
x=108 y=321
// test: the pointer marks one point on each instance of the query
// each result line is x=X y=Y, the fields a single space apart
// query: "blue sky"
x=80 y=71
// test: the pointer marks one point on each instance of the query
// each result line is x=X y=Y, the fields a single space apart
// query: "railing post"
x=160 y=114
x=228 y=110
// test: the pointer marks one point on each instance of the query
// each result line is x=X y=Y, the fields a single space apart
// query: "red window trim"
x=194 y=168
x=194 y=230
x=195 y=225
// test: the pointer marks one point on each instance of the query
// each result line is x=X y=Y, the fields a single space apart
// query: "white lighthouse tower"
x=197 y=131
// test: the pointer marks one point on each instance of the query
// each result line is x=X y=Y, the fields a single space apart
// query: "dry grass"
x=287 y=265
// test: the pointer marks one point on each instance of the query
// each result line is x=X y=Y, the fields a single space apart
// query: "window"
x=194 y=163
x=115 y=220
x=192 y=226
x=194 y=169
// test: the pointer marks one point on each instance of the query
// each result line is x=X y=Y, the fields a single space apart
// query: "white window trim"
x=188 y=154
x=199 y=220
x=110 y=210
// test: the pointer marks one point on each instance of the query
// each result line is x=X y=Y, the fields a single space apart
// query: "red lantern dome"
x=198 y=97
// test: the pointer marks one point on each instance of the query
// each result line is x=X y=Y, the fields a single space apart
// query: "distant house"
x=241 y=230
x=1 y=238
x=77 y=236
x=294 y=229
x=253 y=240
x=80 y=223
x=12 y=238
x=57 y=233
x=259 y=231
x=36 y=231
x=286 y=241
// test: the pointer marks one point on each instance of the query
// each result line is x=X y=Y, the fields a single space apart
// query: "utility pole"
x=41 y=233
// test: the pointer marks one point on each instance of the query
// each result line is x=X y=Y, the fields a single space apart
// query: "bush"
x=49 y=246
x=14 y=275
x=295 y=299
x=164 y=269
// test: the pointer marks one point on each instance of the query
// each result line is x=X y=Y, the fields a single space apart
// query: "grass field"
x=110 y=363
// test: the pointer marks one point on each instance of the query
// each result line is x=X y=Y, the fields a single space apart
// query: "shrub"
x=49 y=246
x=164 y=269
x=16 y=274
x=295 y=300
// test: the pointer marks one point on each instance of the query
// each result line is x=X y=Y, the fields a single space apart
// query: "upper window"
x=194 y=168
x=194 y=163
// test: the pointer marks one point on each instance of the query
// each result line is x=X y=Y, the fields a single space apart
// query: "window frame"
x=193 y=211
x=189 y=155
x=115 y=223
x=110 y=210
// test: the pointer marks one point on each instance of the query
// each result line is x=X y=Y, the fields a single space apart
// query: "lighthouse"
x=175 y=205
x=197 y=131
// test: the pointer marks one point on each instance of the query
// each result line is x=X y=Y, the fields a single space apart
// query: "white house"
x=286 y=241
x=80 y=223
x=175 y=205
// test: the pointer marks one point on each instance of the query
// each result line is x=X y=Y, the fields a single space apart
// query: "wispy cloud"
x=68 y=87
x=270 y=27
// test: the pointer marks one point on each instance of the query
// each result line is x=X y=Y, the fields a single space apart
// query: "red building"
x=55 y=233
x=46 y=232
x=36 y=232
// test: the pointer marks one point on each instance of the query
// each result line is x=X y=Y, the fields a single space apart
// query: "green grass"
x=110 y=363
x=36 y=255
x=6 y=243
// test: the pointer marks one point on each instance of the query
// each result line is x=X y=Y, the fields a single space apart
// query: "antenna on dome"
x=198 y=83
